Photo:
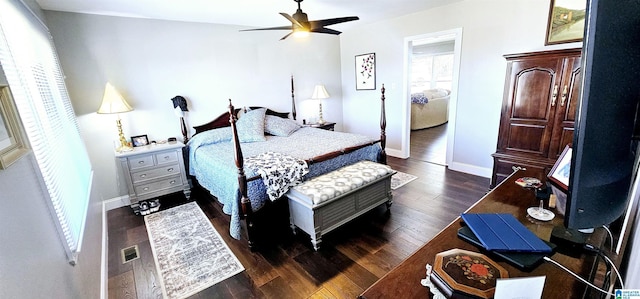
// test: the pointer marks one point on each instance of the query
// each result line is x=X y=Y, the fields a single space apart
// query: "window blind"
x=31 y=65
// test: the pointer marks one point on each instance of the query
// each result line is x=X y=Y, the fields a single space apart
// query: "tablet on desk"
x=503 y=232
x=525 y=261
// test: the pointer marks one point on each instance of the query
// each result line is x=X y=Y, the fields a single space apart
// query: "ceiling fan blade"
x=300 y=22
x=288 y=27
x=327 y=22
x=291 y=19
x=325 y=30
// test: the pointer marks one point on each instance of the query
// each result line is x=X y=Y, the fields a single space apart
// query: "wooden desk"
x=404 y=280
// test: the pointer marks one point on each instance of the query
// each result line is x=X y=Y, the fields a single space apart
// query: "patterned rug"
x=189 y=253
x=400 y=179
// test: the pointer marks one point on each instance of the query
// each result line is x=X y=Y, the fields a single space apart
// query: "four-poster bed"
x=218 y=164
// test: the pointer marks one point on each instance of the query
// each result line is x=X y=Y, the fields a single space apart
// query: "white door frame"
x=456 y=36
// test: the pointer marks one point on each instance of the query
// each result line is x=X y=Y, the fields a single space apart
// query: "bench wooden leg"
x=316 y=239
x=390 y=201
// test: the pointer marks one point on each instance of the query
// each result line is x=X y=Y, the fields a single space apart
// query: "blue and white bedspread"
x=278 y=171
x=211 y=161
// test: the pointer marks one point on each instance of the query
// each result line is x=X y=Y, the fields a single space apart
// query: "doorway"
x=432 y=64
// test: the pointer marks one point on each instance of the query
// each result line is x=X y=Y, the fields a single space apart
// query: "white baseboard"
x=104 y=276
x=395 y=153
x=471 y=169
x=116 y=202
x=461 y=167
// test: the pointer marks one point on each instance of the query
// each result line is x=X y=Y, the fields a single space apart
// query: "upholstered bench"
x=326 y=202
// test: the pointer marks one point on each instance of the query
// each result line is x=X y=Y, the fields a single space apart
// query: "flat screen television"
x=602 y=162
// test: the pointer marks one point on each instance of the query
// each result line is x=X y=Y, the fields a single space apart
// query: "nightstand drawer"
x=158 y=185
x=145 y=175
x=140 y=162
x=167 y=157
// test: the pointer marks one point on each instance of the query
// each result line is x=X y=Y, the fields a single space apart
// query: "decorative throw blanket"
x=279 y=172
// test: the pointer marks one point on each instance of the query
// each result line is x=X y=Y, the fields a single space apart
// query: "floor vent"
x=130 y=254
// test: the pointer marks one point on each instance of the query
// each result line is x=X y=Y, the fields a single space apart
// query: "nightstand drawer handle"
x=167 y=157
x=172 y=182
x=140 y=162
x=144 y=175
x=170 y=169
x=145 y=188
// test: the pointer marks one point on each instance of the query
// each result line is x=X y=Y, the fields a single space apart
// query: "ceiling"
x=251 y=13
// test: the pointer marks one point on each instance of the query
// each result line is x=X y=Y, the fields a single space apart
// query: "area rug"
x=189 y=253
x=400 y=179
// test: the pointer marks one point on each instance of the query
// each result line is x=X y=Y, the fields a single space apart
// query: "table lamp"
x=320 y=93
x=113 y=102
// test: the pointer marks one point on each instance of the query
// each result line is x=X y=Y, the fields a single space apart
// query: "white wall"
x=491 y=28
x=32 y=258
x=151 y=61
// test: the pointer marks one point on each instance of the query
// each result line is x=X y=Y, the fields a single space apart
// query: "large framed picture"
x=559 y=174
x=366 y=71
x=13 y=144
x=566 y=21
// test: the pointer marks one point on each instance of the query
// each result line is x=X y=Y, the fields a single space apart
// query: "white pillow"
x=437 y=93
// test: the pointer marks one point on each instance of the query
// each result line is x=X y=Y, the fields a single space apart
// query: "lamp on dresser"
x=113 y=102
x=320 y=93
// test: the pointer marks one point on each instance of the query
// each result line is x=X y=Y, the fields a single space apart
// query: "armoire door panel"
x=532 y=90
x=573 y=80
x=526 y=138
x=531 y=93
x=566 y=137
x=564 y=121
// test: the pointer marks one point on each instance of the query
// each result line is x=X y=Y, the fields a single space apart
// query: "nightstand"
x=154 y=170
x=326 y=126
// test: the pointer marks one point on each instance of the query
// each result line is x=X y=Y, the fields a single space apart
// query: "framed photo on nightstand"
x=140 y=140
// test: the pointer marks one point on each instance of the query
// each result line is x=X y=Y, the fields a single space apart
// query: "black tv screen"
x=603 y=155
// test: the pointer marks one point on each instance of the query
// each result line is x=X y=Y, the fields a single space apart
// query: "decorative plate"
x=540 y=214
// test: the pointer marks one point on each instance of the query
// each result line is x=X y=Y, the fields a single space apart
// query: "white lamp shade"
x=113 y=102
x=319 y=92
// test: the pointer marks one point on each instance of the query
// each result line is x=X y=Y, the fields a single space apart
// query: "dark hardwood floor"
x=350 y=260
x=430 y=145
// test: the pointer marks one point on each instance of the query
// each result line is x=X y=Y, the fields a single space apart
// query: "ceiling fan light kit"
x=300 y=24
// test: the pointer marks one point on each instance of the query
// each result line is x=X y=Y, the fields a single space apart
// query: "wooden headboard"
x=223 y=120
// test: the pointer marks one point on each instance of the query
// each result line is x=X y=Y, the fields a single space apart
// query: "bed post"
x=245 y=203
x=293 y=101
x=383 y=126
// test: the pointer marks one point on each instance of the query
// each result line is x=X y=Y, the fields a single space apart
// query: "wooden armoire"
x=541 y=93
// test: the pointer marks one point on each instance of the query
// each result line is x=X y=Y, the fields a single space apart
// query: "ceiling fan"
x=300 y=23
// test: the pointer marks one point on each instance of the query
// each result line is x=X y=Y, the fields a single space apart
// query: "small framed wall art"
x=566 y=21
x=140 y=140
x=366 y=71
x=13 y=143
